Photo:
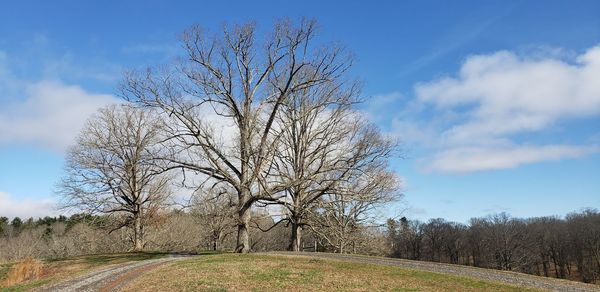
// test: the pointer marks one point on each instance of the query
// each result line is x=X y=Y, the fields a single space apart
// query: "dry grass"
x=32 y=273
x=233 y=272
x=26 y=270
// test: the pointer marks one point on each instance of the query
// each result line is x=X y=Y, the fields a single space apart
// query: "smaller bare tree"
x=215 y=210
x=112 y=169
x=342 y=214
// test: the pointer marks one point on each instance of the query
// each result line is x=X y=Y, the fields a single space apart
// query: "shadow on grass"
x=111 y=258
x=100 y=259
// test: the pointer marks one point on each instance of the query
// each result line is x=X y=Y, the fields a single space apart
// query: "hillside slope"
x=270 y=272
x=511 y=278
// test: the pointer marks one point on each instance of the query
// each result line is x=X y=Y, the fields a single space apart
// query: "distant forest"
x=567 y=248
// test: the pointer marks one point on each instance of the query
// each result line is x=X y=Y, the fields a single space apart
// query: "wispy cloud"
x=496 y=209
x=469 y=159
x=154 y=48
x=382 y=107
x=416 y=211
x=457 y=36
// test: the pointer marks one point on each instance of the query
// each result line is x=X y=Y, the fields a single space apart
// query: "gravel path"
x=511 y=278
x=109 y=279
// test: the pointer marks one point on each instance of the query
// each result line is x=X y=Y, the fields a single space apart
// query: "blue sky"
x=497 y=102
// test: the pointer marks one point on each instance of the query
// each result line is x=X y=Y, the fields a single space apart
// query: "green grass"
x=4 y=268
x=26 y=286
x=254 y=272
x=259 y=272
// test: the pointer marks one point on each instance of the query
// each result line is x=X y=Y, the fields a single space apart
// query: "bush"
x=26 y=270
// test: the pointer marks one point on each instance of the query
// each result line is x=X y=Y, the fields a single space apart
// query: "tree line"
x=206 y=226
x=566 y=248
x=84 y=234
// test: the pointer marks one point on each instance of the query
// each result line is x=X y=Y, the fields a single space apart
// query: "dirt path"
x=110 y=279
x=511 y=278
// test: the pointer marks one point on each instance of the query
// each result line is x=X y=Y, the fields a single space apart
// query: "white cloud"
x=24 y=208
x=497 y=96
x=469 y=159
x=508 y=94
x=46 y=112
x=50 y=115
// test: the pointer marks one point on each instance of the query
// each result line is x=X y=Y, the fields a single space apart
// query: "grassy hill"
x=260 y=272
x=244 y=272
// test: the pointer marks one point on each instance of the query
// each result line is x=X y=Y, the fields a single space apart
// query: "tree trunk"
x=215 y=244
x=243 y=234
x=545 y=267
x=296 y=237
x=138 y=233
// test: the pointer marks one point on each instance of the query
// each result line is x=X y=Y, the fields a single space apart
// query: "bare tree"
x=508 y=242
x=584 y=231
x=177 y=230
x=112 y=170
x=342 y=213
x=546 y=246
x=242 y=83
x=311 y=128
x=323 y=145
x=216 y=212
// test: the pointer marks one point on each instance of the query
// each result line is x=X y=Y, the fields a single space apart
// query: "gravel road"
x=110 y=279
x=511 y=278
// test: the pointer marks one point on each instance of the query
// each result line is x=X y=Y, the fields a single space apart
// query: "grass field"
x=56 y=270
x=255 y=272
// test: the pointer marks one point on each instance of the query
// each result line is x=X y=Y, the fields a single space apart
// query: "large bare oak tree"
x=243 y=80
